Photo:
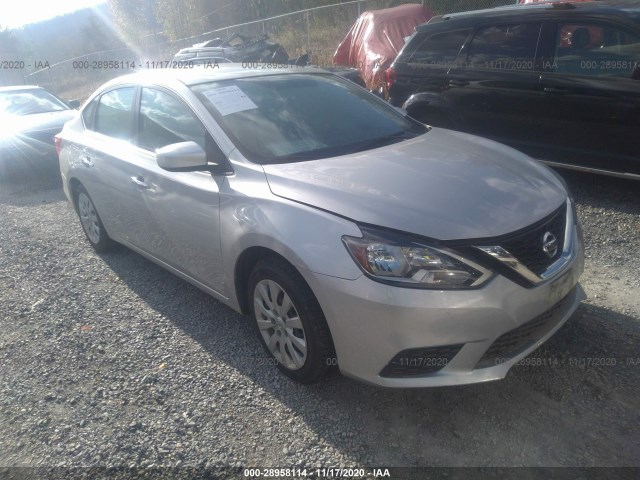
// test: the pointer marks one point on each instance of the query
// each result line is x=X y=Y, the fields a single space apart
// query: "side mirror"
x=182 y=157
x=74 y=103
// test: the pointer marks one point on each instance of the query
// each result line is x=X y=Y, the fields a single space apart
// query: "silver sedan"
x=350 y=234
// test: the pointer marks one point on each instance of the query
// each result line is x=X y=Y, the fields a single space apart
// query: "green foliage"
x=440 y=7
x=151 y=30
x=135 y=19
x=180 y=19
x=9 y=50
x=85 y=31
x=9 y=44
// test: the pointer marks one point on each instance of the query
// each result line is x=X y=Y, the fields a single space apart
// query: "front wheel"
x=290 y=322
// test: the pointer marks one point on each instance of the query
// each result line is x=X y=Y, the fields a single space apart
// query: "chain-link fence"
x=317 y=31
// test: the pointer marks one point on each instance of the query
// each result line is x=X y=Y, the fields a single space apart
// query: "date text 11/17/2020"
x=149 y=64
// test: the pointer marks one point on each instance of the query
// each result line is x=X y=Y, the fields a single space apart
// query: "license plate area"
x=560 y=287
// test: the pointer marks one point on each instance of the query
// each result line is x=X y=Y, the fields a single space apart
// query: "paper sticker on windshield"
x=228 y=100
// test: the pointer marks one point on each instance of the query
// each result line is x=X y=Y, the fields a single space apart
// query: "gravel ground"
x=111 y=361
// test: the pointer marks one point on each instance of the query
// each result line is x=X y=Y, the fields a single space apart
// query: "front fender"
x=309 y=238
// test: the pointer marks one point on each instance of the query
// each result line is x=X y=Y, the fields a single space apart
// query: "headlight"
x=391 y=258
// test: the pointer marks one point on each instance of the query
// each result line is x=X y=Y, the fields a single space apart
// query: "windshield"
x=27 y=102
x=286 y=118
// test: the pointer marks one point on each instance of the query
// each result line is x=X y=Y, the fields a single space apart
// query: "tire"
x=91 y=222
x=299 y=338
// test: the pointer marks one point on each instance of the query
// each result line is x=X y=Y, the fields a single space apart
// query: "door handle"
x=86 y=161
x=458 y=83
x=139 y=181
x=555 y=91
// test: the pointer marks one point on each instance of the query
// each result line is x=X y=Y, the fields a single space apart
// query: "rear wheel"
x=290 y=322
x=91 y=223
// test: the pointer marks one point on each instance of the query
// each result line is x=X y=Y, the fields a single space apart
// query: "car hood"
x=41 y=121
x=443 y=184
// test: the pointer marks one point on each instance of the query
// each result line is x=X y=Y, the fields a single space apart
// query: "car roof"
x=629 y=8
x=202 y=74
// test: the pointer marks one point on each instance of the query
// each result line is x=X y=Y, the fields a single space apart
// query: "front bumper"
x=371 y=323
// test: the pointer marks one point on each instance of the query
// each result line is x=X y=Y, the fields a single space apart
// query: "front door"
x=495 y=91
x=182 y=208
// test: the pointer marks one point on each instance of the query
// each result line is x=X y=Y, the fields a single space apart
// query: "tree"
x=135 y=19
x=8 y=42
x=96 y=37
x=180 y=19
x=10 y=51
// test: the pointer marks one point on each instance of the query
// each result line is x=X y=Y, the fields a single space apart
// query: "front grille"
x=519 y=339
x=417 y=362
x=527 y=246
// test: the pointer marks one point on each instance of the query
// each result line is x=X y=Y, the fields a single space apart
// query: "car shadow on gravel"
x=552 y=409
x=20 y=180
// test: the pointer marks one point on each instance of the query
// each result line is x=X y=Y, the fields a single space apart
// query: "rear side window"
x=88 y=113
x=165 y=120
x=505 y=47
x=440 y=49
x=596 y=50
x=114 y=115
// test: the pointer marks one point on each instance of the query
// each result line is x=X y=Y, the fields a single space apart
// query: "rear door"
x=495 y=92
x=107 y=160
x=591 y=101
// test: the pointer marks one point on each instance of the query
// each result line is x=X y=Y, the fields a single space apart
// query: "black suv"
x=559 y=81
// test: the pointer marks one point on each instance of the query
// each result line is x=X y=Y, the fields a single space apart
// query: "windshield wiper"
x=387 y=140
x=347 y=149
